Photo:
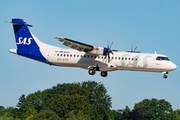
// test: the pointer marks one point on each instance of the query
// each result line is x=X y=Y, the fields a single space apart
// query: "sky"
x=150 y=25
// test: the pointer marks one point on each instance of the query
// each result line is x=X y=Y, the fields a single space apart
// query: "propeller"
x=107 y=51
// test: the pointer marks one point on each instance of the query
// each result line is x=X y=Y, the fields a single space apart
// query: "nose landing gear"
x=165 y=76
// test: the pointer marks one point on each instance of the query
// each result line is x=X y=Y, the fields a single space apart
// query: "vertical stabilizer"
x=27 y=44
x=24 y=39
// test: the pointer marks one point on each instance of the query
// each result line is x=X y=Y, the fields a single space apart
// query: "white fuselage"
x=120 y=60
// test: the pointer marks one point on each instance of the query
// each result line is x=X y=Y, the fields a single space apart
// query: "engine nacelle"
x=98 y=50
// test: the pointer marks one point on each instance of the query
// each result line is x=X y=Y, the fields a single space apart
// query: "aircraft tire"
x=91 y=72
x=104 y=74
x=165 y=76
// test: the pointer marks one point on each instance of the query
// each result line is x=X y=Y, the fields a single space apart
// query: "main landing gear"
x=165 y=76
x=92 y=72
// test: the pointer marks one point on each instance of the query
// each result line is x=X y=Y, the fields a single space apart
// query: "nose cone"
x=173 y=66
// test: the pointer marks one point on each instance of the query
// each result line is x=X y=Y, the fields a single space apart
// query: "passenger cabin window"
x=162 y=58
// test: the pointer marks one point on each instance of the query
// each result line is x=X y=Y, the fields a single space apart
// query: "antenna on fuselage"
x=132 y=47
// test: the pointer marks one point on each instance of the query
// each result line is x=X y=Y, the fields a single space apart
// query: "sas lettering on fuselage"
x=24 y=41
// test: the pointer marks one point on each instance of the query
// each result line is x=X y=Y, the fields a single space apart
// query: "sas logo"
x=24 y=41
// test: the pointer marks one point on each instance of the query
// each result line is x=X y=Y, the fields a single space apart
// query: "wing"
x=75 y=45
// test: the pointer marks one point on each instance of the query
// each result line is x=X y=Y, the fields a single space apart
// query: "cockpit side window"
x=162 y=58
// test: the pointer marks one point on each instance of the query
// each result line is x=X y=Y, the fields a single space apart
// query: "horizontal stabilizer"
x=16 y=23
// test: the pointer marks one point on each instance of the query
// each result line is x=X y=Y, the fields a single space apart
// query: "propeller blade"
x=108 y=58
x=107 y=42
x=108 y=51
x=111 y=44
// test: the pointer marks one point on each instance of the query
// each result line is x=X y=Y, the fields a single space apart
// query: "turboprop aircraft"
x=92 y=58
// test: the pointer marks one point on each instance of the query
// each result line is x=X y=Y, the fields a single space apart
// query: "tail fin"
x=24 y=38
x=27 y=44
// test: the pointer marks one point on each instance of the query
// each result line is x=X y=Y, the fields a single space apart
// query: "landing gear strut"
x=104 y=74
x=165 y=76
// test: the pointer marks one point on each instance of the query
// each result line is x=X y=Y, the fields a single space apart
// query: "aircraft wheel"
x=104 y=74
x=165 y=76
x=91 y=72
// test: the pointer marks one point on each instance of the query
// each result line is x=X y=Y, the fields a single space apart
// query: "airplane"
x=92 y=58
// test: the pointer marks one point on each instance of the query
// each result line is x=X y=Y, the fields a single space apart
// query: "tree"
x=113 y=114
x=96 y=93
x=78 y=116
x=155 y=109
x=44 y=115
x=177 y=114
x=91 y=91
x=2 y=108
x=63 y=104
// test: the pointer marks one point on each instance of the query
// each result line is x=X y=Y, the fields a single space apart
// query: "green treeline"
x=83 y=101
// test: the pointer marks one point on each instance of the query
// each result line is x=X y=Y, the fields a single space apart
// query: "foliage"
x=78 y=116
x=8 y=118
x=83 y=101
x=153 y=109
x=148 y=109
x=44 y=115
x=93 y=94
x=63 y=104
x=177 y=114
x=7 y=113
x=2 y=108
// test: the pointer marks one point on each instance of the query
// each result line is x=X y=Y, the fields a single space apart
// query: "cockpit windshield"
x=162 y=58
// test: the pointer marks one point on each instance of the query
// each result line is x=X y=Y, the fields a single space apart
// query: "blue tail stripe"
x=32 y=53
